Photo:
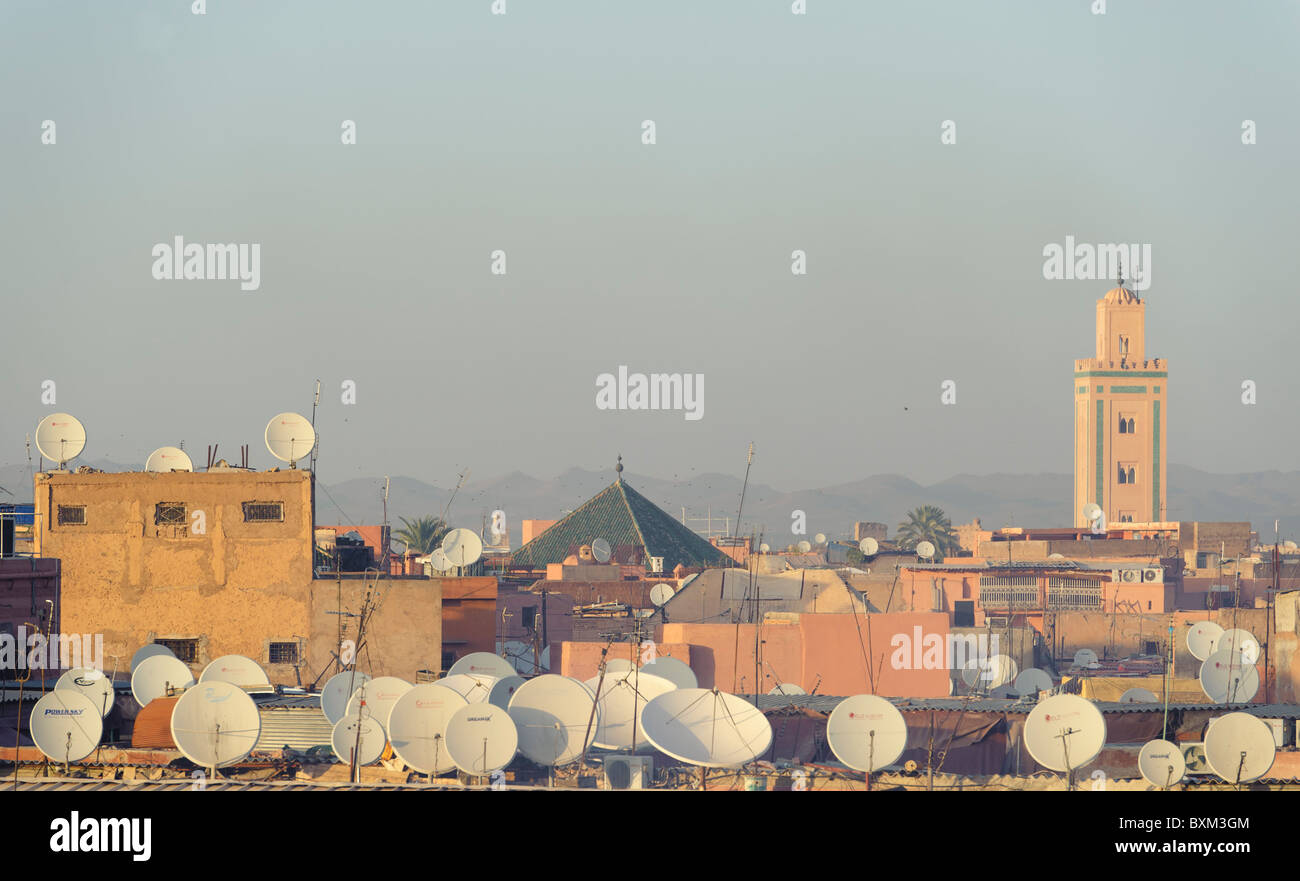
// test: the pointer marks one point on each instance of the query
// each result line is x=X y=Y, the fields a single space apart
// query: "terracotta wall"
x=404 y=633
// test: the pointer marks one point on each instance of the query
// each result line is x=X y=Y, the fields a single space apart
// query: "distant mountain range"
x=997 y=499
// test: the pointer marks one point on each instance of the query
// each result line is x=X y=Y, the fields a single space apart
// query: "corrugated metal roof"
x=301 y=725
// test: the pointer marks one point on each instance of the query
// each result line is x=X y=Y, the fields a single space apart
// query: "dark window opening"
x=963 y=614
x=72 y=515
x=1122 y=476
x=263 y=512
x=170 y=514
x=1151 y=647
x=186 y=650
x=283 y=653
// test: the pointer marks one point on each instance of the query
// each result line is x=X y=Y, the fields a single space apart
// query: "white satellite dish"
x=1290 y=546
x=1242 y=643
x=1138 y=696
x=869 y=547
x=925 y=549
x=786 y=689
x=1004 y=692
x=661 y=593
x=1032 y=681
x=379 y=695
x=475 y=689
x=622 y=700
x=363 y=735
x=483 y=664
x=1202 y=639
x=989 y=673
x=338 y=690
x=1065 y=732
x=166 y=459
x=706 y=727
x=1092 y=512
x=1085 y=658
x=481 y=739
x=439 y=562
x=215 y=724
x=503 y=690
x=675 y=671
x=764 y=548
x=553 y=714
x=237 y=670
x=1057 y=556
x=819 y=538
x=93 y=683
x=154 y=676
x=1239 y=748
x=463 y=547
x=601 y=550
x=149 y=650
x=66 y=725
x=417 y=727
x=521 y=655
x=60 y=438
x=866 y=732
x=618 y=665
x=290 y=437
x=1161 y=763
x=1227 y=679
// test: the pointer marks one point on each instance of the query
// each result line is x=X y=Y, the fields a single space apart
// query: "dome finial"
x=618 y=469
x=1119 y=271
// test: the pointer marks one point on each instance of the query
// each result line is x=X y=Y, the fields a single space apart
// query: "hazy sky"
x=523 y=132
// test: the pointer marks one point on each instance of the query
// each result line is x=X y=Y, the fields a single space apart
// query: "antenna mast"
x=314 y=446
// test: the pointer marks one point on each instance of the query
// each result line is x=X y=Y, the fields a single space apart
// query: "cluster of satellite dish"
x=1228 y=674
x=460 y=548
x=61 y=437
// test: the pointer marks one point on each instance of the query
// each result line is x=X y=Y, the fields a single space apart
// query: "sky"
x=523 y=133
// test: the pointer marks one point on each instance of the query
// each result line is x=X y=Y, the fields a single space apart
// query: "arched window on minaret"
x=1123 y=426
x=1122 y=475
x=1132 y=475
x=1132 y=426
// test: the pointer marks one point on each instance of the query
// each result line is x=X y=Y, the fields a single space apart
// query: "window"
x=1132 y=475
x=170 y=514
x=448 y=658
x=1123 y=426
x=72 y=515
x=1123 y=477
x=1132 y=426
x=283 y=653
x=263 y=512
x=1150 y=647
x=963 y=614
x=186 y=650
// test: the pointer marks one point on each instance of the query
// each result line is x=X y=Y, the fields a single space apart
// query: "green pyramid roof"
x=627 y=520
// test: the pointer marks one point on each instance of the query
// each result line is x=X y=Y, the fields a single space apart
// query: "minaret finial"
x=618 y=469
x=1119 y=271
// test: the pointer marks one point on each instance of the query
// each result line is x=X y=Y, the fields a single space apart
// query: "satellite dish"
x=149 y=650
x=706 y=727
x=661 y=593
x=1227 y=679
x=1004 y=692
x=618 y=665
x=60 y=438
x=463 y=547
x=290 y=437
x=1056 y=556
x=1085 y=658
x=215 y=724
x=1202 y=639
x=93 y=684
x=439 y=562
x=869 y=547
x=474 y=689
x=787 y=689
x=380 y=695
x=338 y=690
x=553 y=714
x=1290 y=546
x=66 y=725
x=989 y=673
x=1065 y=732
x=675 y=671
x=1138 y=696
x=483 y=664
x=155 y=675
x=481 y=739
x=804 y=546
x=621 y=702
x=925 y=549
x=417 y=727
x=601 y=550
x=166 y=459
x=764 y=548
x=1242 y=643
x=1092 y=512
x=1239 y=748
x=1162 y=763
x=503 y=690
x=237 y=670
x=521 y=655
x=819 y=538
x=1032 y=681
x=866 y=732
x=363 y=735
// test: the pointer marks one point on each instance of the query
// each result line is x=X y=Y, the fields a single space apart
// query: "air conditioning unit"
x=1131 y=576
x=995 y=622
x=1153 y=575
x=1194 y=757
x=656 y=564
x=628 y=772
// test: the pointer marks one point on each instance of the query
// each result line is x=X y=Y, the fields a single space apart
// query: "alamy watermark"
x=33 y=650
x=654 y=391
x=194 y=262
x=1096 y=262
x=919 y=650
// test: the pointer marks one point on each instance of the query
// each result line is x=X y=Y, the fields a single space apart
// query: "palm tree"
x=422 y=535
x=928 y=523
